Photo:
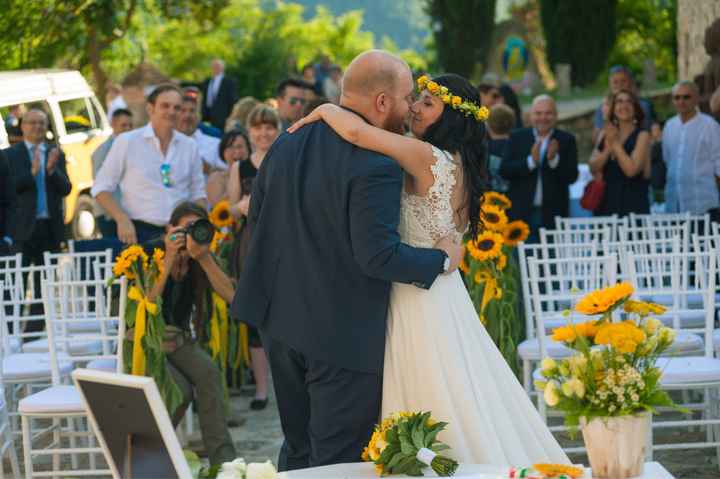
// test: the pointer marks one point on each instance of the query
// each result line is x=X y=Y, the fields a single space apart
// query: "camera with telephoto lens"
x=201 y=231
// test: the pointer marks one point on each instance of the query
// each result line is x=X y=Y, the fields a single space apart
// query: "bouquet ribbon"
x=219 y=327
x=144 y=306
x=490 y=291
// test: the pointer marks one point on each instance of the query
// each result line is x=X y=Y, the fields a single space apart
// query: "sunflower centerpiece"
x=611 y=385
x=491 y=275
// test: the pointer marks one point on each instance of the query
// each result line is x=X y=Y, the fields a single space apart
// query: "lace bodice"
x=426 y=219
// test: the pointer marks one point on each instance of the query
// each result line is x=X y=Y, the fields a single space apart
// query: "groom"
x=324 y=251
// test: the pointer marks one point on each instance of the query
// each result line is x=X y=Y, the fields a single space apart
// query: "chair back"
x=578 y=237
x=69 y=302
x=664 y=275
x=699 y=224
x=592 y=223
x=79 y=266
x=23 y=303
x=556 y=284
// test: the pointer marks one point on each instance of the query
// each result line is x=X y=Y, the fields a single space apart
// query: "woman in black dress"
x=622 y=158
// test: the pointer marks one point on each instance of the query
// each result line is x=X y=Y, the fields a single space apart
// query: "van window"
x=76 y=116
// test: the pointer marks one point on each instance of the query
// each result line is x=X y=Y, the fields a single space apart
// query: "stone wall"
x=693 y=17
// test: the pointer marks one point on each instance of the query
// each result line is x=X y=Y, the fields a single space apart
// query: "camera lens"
x=202 y=231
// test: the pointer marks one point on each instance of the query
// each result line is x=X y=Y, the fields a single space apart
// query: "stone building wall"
x=694 y=16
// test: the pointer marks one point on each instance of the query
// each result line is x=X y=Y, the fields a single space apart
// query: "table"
x=365 y=470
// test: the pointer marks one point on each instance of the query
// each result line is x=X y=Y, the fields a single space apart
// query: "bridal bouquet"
x=491 y=274
x=144 y=356
x=613 y=371
x=406 y=443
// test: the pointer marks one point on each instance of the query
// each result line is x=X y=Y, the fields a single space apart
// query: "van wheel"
x=84 y=224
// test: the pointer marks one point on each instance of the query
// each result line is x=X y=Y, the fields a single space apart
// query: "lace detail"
x=426 y=219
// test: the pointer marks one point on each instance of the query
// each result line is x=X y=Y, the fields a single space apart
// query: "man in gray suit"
x=120 y=122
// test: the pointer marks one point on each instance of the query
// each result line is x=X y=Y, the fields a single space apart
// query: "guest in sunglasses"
x=291 y=98
x=155 y=168
x=691 y=151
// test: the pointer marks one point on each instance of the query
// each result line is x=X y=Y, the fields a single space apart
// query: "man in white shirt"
x=208 y=146
x=691 y=151
x=155 y=167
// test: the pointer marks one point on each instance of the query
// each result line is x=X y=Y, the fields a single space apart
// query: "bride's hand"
x=317 y=114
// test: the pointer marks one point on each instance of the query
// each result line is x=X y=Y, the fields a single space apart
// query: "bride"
x=438 y=356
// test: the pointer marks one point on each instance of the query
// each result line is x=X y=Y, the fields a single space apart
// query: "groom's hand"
x=452 y=249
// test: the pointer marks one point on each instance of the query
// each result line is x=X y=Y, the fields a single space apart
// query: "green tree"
x=462 y=30
x=581 y=34
x=647 y=29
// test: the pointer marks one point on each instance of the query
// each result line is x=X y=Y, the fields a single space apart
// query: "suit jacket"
x=555 y=181
x=8 y=200
x=325 y=247
x=223 y=103
x=57 y=186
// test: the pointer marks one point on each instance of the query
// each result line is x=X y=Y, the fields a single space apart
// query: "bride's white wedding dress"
x=439 y=358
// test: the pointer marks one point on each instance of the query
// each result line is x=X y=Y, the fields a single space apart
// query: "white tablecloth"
x=365 y=470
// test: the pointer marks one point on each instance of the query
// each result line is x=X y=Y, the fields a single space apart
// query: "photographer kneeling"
x=190 y=272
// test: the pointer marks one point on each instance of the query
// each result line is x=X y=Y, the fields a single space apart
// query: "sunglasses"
x=165 y=175
x=681 y=97
x=295 y=100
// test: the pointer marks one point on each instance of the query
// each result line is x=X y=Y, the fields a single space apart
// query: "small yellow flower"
x=651 y=325
x=158 y=259
x=516 y=232
x=548 y=364
x=482 y=114
x=487 y=245
x=446 y=99
x=501 y=262
x=493 y=217
x=551 y=396
x=422 y=82
x=456 y=100
x=603 y=300
x=443 y=90
x=497 y=199
x=432 y=87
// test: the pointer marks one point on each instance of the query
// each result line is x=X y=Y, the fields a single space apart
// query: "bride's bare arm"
x=414 y=156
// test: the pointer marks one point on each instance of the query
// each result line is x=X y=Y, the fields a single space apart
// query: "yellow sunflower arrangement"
x=220 y=215
x=604 y=300
x=158 y=260
x=612 y=371
x=554 y=471
x=493 y=217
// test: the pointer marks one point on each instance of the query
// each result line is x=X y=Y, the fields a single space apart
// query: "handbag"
x=593 y=195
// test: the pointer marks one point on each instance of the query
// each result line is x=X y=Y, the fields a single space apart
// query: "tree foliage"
x=647 y=29
x=581 y=34
x=462 y=30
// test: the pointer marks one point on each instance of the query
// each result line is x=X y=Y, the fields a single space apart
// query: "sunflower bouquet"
x=546 y=471
x=491 y=274
x=613 y=371
x=406 y=443
x=144 y=355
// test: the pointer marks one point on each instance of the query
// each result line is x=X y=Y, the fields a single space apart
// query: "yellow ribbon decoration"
x=214 y=342
x=144 y=306
x=243 y=346
x=490 y=291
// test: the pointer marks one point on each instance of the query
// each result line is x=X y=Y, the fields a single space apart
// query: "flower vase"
x=616 y=446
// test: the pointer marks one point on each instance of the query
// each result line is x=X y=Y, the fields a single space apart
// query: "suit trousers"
x=192 y=368
x=33 y=251
x=327 y=413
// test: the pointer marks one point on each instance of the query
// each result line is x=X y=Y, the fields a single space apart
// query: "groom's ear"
x=381 y=103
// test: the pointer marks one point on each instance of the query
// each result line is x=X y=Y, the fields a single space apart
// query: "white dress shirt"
x=552 y=163
x=691 y=151
x=209 y=148
x=213 y=89
x=133 y=165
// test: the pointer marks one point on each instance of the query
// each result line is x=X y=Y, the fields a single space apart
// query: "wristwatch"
x=446 y=262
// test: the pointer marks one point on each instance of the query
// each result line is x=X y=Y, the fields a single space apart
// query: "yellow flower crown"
x=480 y=113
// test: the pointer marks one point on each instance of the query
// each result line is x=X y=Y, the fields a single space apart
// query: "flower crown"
x=480 y=113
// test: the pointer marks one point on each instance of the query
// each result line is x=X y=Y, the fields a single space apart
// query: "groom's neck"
x=363 y=108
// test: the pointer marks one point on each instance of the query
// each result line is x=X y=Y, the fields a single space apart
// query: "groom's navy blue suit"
x=316 y=283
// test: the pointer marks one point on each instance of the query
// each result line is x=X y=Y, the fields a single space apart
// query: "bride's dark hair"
x=457 y=133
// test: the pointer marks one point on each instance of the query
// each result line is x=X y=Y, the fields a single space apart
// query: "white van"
x=77 y=123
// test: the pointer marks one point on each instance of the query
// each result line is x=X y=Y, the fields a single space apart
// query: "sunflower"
x=603 y=300
x=463 y=265
x=220 y=215
x=493 y=217
x=516 y=232
x=501 y=262
x=487 y=245
x=158 y=258
x=127 y=259
x=643 y=308
x=497 y=199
